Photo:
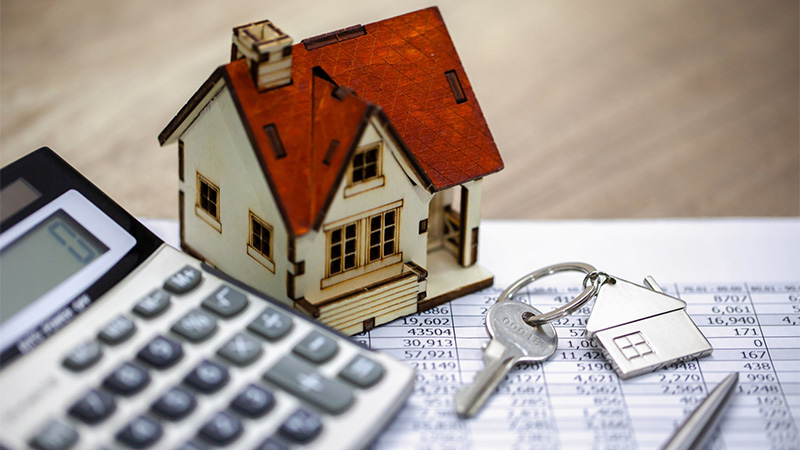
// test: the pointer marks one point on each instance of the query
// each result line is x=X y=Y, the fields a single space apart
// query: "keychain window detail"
x=366 y=165
x=260 y=236
x=382 y=236
x=342 y=249
x=633 y=345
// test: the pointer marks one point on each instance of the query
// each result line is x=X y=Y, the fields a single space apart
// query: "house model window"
x=366 y=165
x=260 y=243
x=342 y=248
x=260 y=236
x=207 y=206
x=382 y=235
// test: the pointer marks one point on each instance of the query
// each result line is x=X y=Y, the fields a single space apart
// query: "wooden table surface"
x=608 y=109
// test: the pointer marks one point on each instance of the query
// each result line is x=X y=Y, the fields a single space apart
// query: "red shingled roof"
x=398 y=64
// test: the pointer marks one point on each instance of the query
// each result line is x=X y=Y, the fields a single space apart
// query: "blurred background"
x=609 y=109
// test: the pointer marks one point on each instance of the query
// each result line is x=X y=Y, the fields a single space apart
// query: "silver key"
x=511 y=341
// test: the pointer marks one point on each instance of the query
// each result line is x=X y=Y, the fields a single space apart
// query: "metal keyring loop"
x=569 y=308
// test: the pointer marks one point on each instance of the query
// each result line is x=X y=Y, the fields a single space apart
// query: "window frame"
x=352 y=186
x=362 y=152
x=266 y=260
x=382 y=238
x=343 y=253
x=363 y=267
x=212 y=219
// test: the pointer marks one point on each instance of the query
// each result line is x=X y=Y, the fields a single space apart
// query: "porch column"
x=470 y=221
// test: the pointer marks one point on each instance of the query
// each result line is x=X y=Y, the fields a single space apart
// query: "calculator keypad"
x=195 y=358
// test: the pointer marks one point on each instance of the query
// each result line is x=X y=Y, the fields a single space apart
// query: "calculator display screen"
x=50 y=262
x=42 y=258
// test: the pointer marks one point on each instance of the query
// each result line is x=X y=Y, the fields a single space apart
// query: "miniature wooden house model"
x=341 y=175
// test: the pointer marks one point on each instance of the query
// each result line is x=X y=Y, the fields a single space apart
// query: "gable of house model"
x=215 y=149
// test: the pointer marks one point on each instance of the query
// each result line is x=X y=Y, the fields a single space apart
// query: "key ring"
x=595 y=278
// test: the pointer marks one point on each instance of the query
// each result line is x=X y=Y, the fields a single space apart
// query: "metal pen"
x=700 y=425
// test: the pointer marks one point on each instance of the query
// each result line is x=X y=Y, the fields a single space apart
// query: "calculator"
x=113 y=339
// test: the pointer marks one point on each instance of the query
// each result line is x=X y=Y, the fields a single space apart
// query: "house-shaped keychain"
x=641 y=330
x=341 y=175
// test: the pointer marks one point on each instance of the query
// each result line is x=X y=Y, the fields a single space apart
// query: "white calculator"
x=112 y=339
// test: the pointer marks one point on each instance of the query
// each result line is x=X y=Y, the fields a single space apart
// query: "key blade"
x=498 y=362
x=512 y=340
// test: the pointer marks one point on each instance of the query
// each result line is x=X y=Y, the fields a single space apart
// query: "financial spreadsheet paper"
x=739 y=277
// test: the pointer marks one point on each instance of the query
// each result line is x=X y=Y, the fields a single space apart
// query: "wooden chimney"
x=268 y=52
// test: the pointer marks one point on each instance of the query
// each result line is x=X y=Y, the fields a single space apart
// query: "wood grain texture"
x=600 y=109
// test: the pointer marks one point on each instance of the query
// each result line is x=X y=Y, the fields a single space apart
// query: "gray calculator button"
x=272 y=443
x=362 y=371
x=117 y=331
x=241 y=350
x=175 y=404
x=55 y=435
x=127 y=379
x=153 y=304
x=225 y=301
x=302 y=380
x=83 y=356
x=271 y=324
x=93 y=407
x=141 y=432
x=195 y=326
x=302 y=426
x=222 y=429
x=183 y=280
x=207 y=377
x=254 y=401
x=190 y=446
x=161 y=352
x=316 y=347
